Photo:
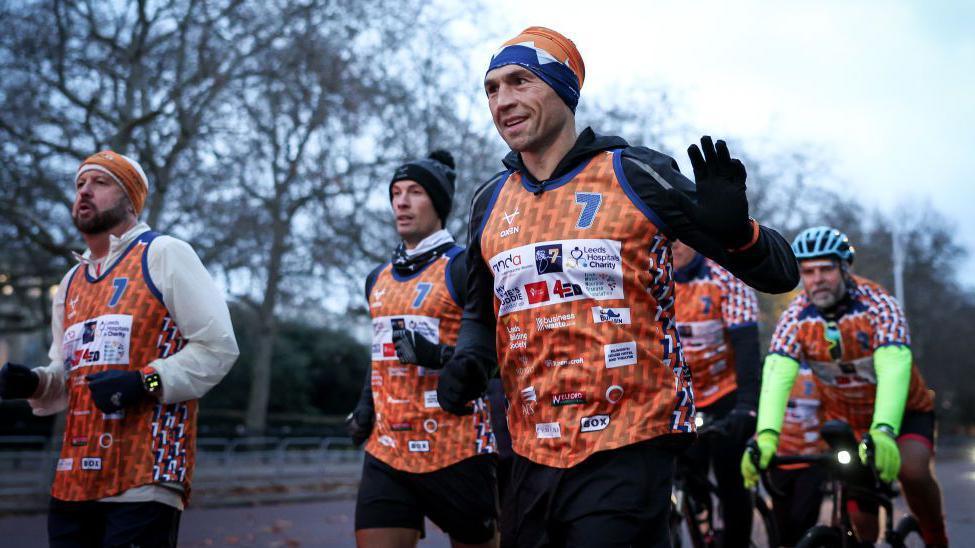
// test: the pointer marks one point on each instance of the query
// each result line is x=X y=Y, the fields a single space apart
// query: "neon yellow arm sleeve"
x=778 y=375
x=892 y=365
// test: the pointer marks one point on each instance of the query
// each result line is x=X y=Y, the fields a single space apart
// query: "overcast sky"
x=884 y=90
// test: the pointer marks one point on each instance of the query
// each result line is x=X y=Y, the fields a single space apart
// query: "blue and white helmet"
x=823 y=241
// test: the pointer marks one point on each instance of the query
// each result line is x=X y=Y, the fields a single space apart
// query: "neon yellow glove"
x=886 y=455
x=768 y=443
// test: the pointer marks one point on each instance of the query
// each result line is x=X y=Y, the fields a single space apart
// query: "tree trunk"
x=260 y=392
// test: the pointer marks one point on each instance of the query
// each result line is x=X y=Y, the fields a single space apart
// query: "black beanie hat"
x=436 y=175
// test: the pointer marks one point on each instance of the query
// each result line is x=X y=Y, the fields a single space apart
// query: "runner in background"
x=140 y=333
x=421 y=461
x=717 y=318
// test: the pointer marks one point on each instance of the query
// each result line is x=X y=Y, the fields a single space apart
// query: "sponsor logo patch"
x=528 y=399
x=105 y=440
x=419 y=446
x=91 y=463
x=400 y=427
x=387 y=441
x=618 y=316
x=537 y=292
x=430 y=425
x=555 y=322
x=620 y=354
x=506 y=263
x=568 y=398
x=79 y=441
x=430 y=399
x=564 y=362
x=548 y=430
x=614 y=393
x=594 y=423
x=518 y=338
x=65 y=465
x=548 y=258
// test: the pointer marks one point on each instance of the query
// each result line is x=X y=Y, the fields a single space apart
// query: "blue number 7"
x=590 y=205
x=119 y=285
x=422 y=290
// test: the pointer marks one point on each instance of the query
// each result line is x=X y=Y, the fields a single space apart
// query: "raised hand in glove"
x=359 y=423
x=767 y=443
x=115 y=390
x=462 y=380
x=412 y=347
x=17 y=382
x=886 y=455
x=722 y=206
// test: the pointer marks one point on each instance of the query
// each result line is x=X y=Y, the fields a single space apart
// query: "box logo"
x=419 y=446
x=594 y=423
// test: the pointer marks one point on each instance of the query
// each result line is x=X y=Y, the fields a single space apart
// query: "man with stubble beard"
x=570 y=292
x=140 y=333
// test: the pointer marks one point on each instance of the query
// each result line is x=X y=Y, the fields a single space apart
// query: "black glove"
x=462 y=380
x=115 y=390
x=722 y=206
x=17 y=382
x=740 y=423
x=359 y=423
x=412 y=347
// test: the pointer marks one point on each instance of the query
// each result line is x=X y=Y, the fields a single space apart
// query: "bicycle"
x=847 y=479
x=699 y=519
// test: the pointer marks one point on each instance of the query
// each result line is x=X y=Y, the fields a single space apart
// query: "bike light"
x=844 y=457
x=698 y=421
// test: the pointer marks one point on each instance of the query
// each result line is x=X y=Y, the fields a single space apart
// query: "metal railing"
x=228 y=471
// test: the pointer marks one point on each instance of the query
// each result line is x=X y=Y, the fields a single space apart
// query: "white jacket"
x=199 y=310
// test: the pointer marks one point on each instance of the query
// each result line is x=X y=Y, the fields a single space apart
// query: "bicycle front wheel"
x=907 y=534
x=764 y=532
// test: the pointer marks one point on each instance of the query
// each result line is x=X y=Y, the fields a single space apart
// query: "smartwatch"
x=151 y=381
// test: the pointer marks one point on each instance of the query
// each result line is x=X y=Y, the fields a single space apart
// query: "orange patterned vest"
x=118 y=321
x=801 y=424
x=708 y=306
x=411 y=432
x=840 y=353
x=584 y=300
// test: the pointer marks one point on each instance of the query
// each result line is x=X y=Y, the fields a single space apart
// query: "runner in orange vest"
x=420 y=460
x=140 y=333
x=717 y=319
x=570 y=290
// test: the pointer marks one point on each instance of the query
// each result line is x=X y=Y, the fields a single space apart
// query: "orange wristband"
x=756 y=231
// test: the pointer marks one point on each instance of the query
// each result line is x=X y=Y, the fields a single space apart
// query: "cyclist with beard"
x=140 y=333
x=854 y=337
x=570 y=290
x=717 y=318
x=420 y=461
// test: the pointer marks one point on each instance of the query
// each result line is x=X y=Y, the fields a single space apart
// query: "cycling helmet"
x=823 y=241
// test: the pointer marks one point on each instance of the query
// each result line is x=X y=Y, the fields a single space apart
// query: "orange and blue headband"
x=550 y=56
